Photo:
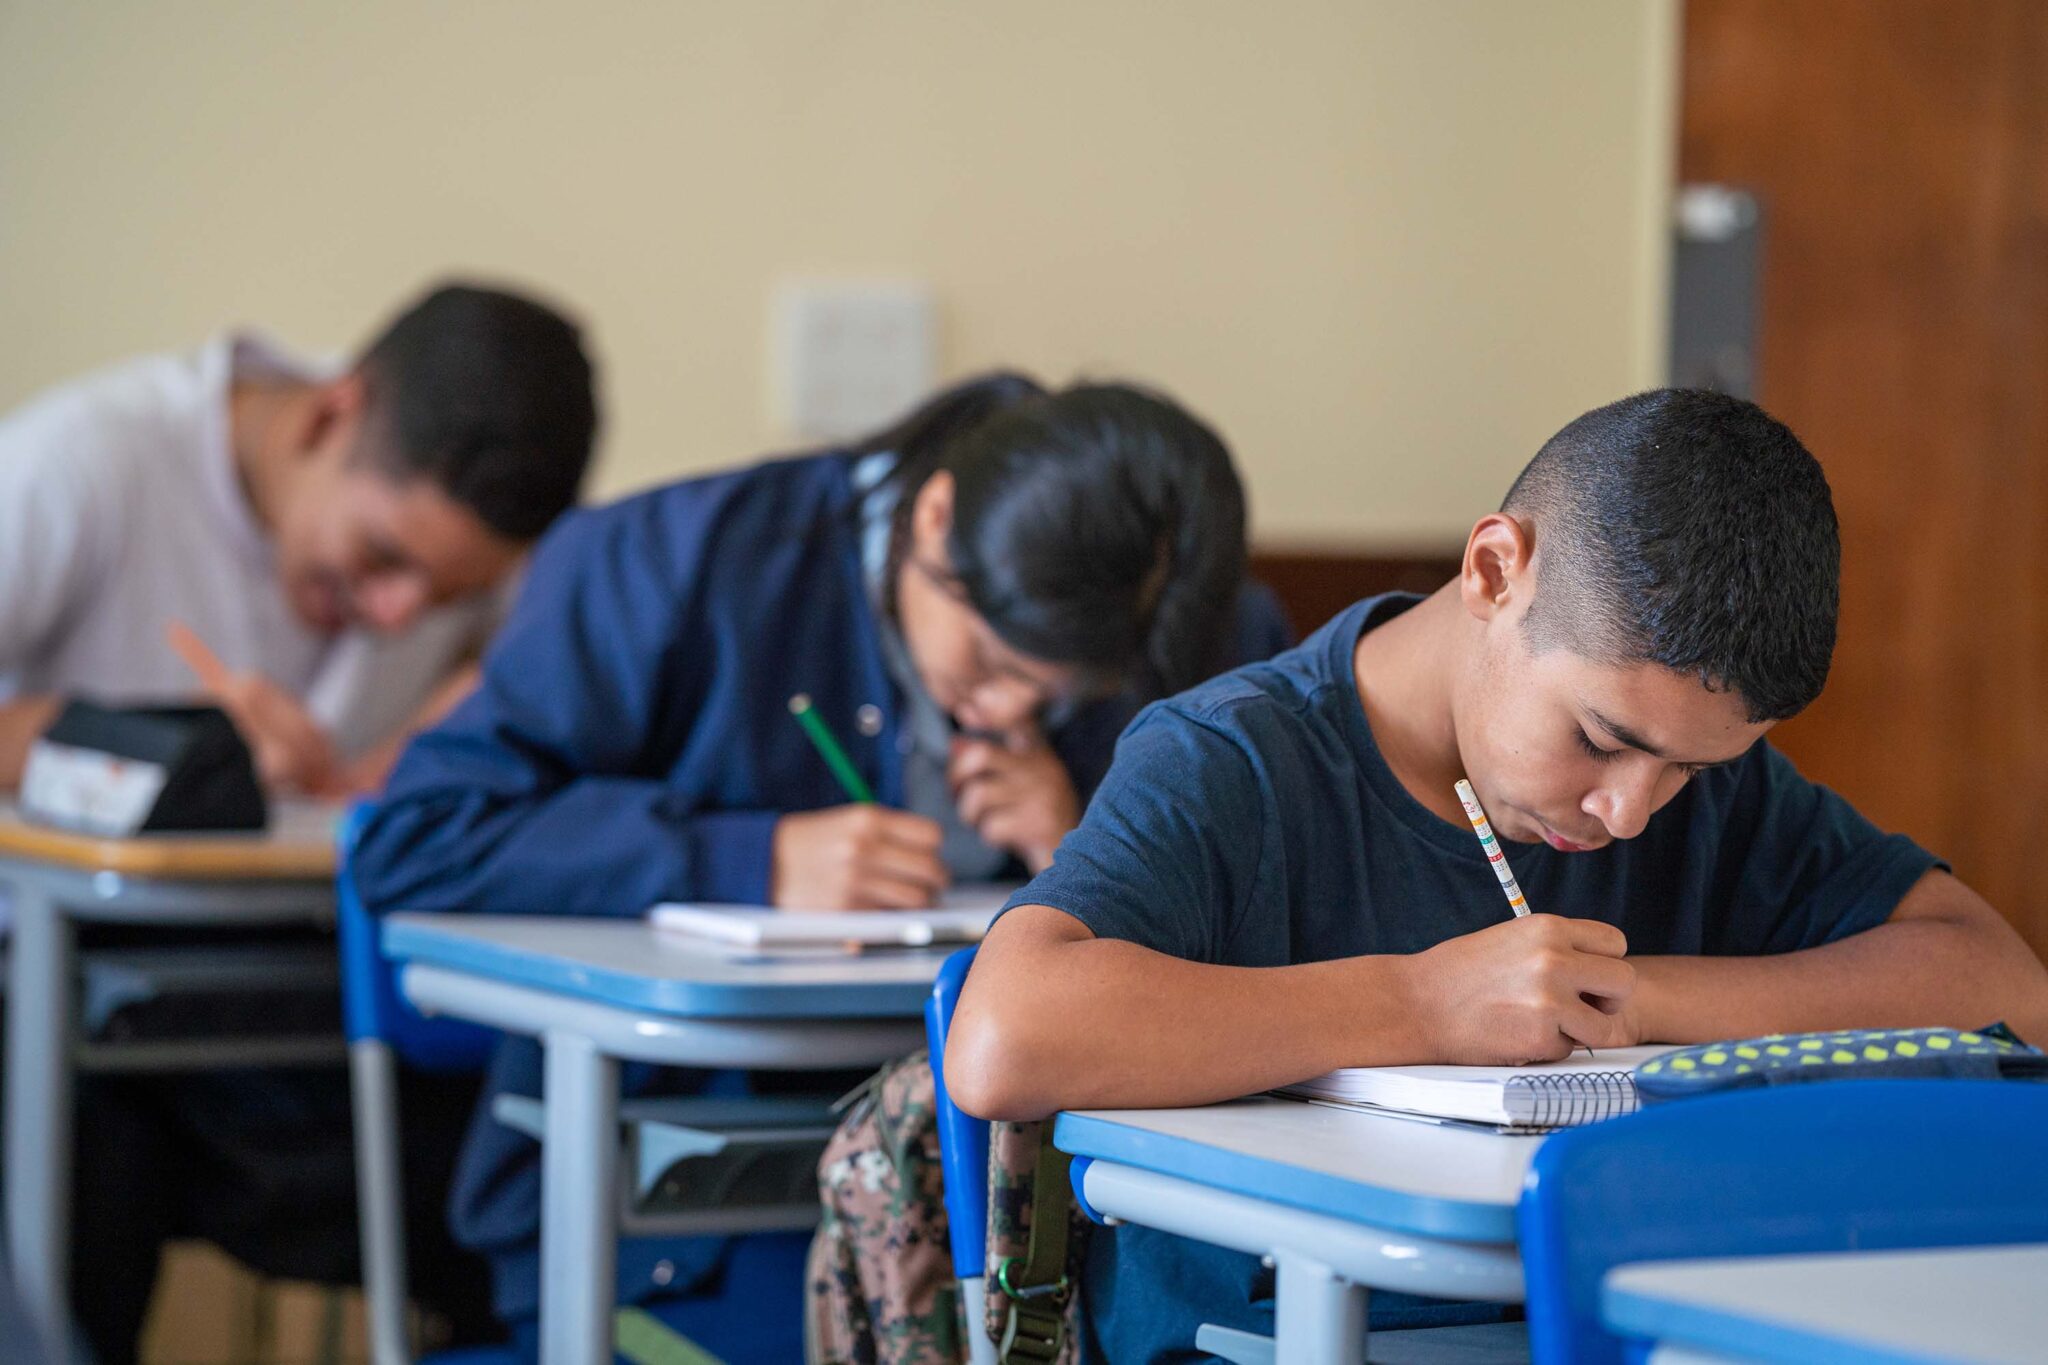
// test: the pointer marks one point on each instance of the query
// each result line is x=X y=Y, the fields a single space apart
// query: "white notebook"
x=1580 y=1089
x=961 y=916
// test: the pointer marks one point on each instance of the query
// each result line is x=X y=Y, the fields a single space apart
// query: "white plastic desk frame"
x=1324 y=1265
x=48 y=902
x=583 y=1043
x=1342 y=1202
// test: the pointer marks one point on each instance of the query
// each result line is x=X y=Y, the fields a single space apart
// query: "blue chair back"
x=963 y=1141
x=1840 y=1166
x=371 y=1006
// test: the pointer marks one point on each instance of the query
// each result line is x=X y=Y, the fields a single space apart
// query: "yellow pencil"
x=1482 y=827
x=1469 y=799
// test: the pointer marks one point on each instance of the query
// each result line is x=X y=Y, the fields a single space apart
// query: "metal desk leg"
x=39 y=1013
x=1320 y=1317
x=579 y=1225
x=380 y=1198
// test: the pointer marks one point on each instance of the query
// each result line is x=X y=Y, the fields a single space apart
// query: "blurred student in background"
x=324 y=545
x=332 y=537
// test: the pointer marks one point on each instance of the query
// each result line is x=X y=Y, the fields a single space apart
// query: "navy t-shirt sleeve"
x=1805 y=867
x=1168 y=850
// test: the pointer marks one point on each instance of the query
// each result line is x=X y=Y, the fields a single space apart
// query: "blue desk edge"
x=1278 y=1183
x=418 y=943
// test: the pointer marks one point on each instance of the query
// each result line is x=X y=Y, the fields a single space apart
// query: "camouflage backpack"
x=881 y=1287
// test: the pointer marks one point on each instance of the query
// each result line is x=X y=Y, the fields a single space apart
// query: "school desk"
x=599 y=992
x=56 y=882
x=1955 y=1304
x=1341 y=1201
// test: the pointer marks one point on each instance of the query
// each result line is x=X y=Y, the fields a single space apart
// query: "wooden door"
x=1900 y=148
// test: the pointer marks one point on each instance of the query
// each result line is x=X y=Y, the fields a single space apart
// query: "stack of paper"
x=1578 y=1090
x=962 y=916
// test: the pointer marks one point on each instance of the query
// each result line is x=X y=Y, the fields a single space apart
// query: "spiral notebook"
x=1538 y=1097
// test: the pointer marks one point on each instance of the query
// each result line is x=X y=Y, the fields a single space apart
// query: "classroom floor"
x=210 y=1310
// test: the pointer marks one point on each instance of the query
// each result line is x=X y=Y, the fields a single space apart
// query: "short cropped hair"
x=1692 y=530
x=490 y=396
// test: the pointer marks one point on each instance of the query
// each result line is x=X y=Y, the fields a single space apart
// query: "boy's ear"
x=335 y=414
x=1499 y=568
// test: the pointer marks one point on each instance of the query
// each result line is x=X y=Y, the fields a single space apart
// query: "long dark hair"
x=1100 y=526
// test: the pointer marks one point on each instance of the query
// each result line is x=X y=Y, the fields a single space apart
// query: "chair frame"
x=383 y=1031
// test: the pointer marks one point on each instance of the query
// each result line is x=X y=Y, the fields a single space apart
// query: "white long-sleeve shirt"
x=120 y=511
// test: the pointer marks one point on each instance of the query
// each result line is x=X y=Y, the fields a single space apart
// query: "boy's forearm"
x=1097 y=1022
x=1914 y=971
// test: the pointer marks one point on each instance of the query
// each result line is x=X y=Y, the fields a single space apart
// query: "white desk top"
x=1424 y=1178
x=626 y=963
x=1956 y=1304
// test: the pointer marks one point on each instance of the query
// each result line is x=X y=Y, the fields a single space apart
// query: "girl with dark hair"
x=976 y=600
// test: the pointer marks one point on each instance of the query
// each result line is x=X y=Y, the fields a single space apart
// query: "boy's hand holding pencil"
x=1530 y=989
x=1561 y=962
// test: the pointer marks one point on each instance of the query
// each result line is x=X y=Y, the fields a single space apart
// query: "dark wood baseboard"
x=1316 y=584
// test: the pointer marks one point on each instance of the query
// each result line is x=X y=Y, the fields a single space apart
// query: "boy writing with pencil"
x=1277 y=877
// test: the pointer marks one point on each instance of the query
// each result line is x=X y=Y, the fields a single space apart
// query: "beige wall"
x=1387 y=247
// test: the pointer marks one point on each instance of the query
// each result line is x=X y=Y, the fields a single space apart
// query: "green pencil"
x=828 y=748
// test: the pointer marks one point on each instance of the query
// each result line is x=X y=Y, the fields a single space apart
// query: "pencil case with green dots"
x=1863 y=1054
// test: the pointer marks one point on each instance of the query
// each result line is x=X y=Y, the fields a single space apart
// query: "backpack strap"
x=1034 y=1286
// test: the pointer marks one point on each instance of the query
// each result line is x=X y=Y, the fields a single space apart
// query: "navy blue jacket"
x=631 y=743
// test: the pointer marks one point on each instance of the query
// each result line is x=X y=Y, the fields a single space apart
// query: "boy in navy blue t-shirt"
x=1276 y=878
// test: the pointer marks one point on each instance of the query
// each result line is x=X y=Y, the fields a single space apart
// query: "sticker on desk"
x=88 y=790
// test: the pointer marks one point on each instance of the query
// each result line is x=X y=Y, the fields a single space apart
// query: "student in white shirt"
x=338 y=536
x=334 y=535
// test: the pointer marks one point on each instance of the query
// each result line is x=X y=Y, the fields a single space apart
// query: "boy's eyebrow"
x=1621 y=734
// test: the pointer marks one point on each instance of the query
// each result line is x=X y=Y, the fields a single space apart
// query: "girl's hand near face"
x=856 y=858
x=1016 y=794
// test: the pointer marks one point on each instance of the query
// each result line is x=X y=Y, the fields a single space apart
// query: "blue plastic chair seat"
x=1830 y=1166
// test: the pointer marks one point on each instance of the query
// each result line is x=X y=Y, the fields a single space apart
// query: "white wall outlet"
x=851 y=355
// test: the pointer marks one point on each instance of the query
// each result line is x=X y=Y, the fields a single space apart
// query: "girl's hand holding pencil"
x=857 y=857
